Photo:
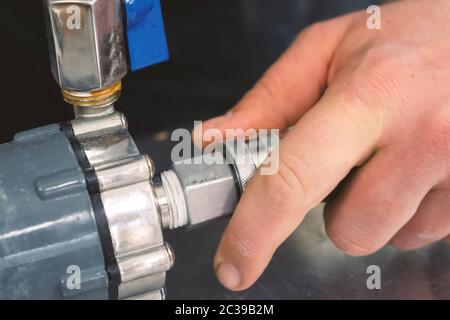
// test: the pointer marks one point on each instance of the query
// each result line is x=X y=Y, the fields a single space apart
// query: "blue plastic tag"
x=147 y=44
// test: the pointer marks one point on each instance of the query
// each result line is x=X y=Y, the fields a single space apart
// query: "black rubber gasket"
x=111 y=266
x=234 y=172
x=236 y=180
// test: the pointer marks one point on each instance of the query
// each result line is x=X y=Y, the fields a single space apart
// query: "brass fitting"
x=93 y=99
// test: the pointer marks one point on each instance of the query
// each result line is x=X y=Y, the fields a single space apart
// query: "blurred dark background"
x=218 y=48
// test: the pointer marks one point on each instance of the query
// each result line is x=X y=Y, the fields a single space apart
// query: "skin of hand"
x=376 y=101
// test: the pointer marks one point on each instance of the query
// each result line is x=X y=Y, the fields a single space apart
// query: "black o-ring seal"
x=111 y=266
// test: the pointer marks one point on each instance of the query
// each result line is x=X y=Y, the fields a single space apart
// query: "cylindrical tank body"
x=49 y=242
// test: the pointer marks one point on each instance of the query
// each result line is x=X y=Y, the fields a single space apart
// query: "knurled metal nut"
x=238 y=153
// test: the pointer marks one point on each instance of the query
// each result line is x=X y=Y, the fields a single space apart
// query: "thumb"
x=290 y=87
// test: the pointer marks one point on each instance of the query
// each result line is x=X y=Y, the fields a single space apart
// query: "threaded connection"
x=93 y=99
x=176 y=211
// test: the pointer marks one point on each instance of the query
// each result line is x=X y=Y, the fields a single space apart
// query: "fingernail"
x=228 y=275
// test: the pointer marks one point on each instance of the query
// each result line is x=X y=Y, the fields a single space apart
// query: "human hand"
x=374 y=100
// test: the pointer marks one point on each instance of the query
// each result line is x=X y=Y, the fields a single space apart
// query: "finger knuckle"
x=296 y=172
x=435 y=136
x=407 y=239
x=358 y=102
x=376 y=80
x=418 y=233
x=289 y=187
x=403 y=244
x=380 y=58
x=363 y=234
x=283 y=196
x=349 y=243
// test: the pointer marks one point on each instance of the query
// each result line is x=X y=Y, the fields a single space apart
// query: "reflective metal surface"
x=246 y=157
x=172 y=201
x=86 y=40
x=124 y=172
x=129 y=202
x=307 y=266
x=208 y=186
x=106 y=122
x=157 y=295
x=210 y=190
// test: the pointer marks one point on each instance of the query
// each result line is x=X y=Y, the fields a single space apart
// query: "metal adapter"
x=194 y=192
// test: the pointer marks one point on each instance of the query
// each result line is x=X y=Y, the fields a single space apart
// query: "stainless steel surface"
x=136 y=233
x=247 y=156
x=164 y=206
x=129 y=201
x=86 y=40
x=157 y=295
x=238 y=155
x=83 y=112
x=124 y=172
x=208 y=187
x=150 y=165
x=210 y=190
x=99 y=124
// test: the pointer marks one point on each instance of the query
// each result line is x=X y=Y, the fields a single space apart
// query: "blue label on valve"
x=147 y=44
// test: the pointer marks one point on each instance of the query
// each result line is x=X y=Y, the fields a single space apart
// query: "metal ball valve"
x=90 y=42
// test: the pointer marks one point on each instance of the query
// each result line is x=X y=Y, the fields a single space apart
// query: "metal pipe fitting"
x=87 y=49
x=95 y=99
x=119 y=179
x=175 y=207
x=247 y=156
x=191 y=193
